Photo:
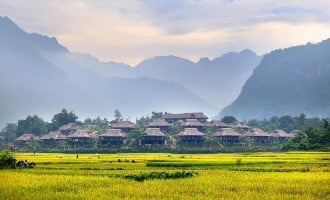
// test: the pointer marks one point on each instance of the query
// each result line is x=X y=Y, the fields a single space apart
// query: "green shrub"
x=159 y=175
x=7 y=159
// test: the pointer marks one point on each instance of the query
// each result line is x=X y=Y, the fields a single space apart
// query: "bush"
x=159 y=175
x=7 y=160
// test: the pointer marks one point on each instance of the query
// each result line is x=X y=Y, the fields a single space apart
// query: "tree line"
x=312 y=133
x=35 y=125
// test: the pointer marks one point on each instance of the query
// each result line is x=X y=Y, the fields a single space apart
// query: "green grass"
x=294 y=175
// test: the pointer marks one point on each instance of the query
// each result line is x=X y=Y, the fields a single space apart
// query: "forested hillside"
x=287 y=81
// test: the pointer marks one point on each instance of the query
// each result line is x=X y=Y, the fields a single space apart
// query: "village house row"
x=158 y=132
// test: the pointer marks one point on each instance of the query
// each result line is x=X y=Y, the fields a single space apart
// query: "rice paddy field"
x=293 y=175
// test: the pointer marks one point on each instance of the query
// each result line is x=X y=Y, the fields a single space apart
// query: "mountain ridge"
x=295 y=81
x=40 y=76
x=226 y=73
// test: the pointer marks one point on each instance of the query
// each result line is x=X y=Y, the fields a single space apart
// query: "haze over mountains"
x=40 y=76
x=219 y=81
x=288 y=81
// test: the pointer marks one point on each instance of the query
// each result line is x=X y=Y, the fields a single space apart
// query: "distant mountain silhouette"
x=287 y=81
x=40 y=76
x=218 y=81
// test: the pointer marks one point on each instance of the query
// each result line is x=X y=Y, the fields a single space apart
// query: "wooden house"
x=53 y=139
x=153 y=136
x=183 y=116
x=258 y=136
x=280 y=135
x=81 y=137
x=68 y=128
x=193 y=123
x=125 y=126
x=113 y=137
x=228 y=136
x=26 y=138
x=191 y=135
x=162 y=124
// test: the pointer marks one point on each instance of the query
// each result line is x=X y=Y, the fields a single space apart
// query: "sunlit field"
x=293 y=175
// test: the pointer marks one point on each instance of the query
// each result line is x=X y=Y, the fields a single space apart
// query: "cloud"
x=130 y=31
x=273 y=35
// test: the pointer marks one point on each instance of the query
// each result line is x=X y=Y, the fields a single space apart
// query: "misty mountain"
x=219 y=81
x=287 y=82
x=40 y=76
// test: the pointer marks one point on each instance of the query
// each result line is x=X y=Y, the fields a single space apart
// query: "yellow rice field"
x=292 y=175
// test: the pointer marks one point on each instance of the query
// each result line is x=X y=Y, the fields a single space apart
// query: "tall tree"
x=32 y=124
x=9 y=132
x=156 y=115
x=118 y=116
x=229 y=119
x=62 y=118
x=286 y=123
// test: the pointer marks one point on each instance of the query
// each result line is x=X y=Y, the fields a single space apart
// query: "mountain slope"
x=289 y=81
x=40 y=76
x=219 y=81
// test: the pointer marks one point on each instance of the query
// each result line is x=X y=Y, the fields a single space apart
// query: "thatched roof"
x=27 y=137
x=159 y=123
x=114 y=133
x=154 y=132
x=195 y=115
x=280 y=133
x=192 y=123
x=54 y=135
x=69 y=127
x=256 y=132
x=123 y=124
x=219 y=124
x=227 y=132
x=190 y=132
x=82 y=134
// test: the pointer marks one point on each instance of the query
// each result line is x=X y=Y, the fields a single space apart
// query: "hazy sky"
x=132 y=30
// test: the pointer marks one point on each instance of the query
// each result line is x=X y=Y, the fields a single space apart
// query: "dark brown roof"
x=190 y=132
x=227 y=132
x=54 y=135
x=114 y=133
x=123 y=124
x=280 y=133
x=192 y=122
x=159 y=123
x=256 y=132
x=154 y=132
x=195 y=115
x=27 y=137
x=82 y=134
x=69 y=127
